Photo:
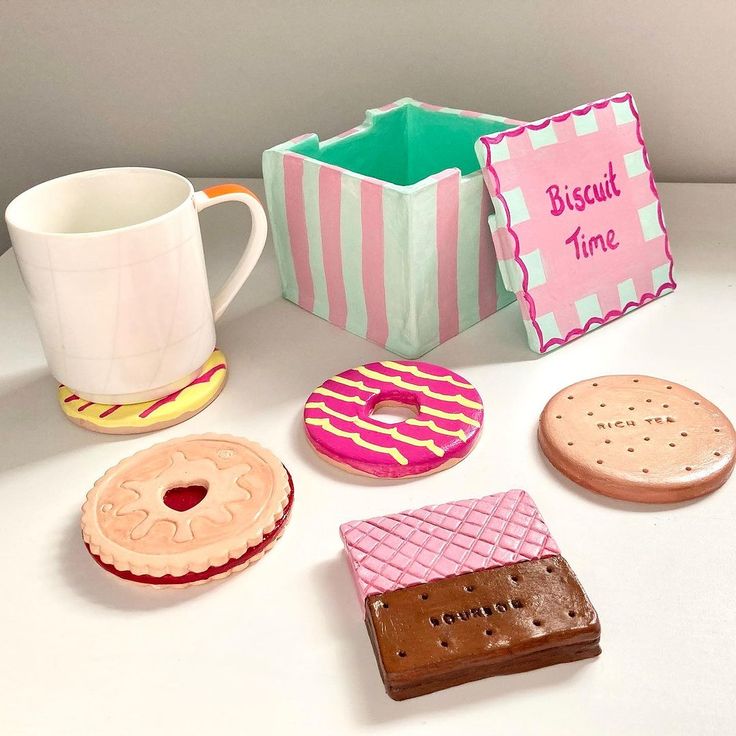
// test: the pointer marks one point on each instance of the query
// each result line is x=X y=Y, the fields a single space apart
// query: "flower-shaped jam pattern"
x=243 y=490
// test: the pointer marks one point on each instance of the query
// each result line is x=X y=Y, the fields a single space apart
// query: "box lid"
x=578 y=226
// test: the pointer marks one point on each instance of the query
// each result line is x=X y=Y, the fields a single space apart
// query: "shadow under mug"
x=112 y=260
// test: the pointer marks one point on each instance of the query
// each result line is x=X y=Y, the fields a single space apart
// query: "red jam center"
x=183 y=498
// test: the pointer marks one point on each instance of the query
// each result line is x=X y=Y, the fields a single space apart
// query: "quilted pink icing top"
x=412 y=547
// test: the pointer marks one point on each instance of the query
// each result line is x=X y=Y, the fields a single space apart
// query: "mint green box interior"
x=406 y=145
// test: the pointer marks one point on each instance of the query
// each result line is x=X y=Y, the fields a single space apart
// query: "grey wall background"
x=204 y=87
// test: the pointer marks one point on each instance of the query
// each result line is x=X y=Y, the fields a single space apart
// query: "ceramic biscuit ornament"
x=446 y=422
x=638 y=438
x=187 y=511
x=148 y=416
x=464 y=590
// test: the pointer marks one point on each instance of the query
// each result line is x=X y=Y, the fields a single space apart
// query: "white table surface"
x=281 y=647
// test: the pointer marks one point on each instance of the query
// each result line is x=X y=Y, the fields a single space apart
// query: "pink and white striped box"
x=383 y=229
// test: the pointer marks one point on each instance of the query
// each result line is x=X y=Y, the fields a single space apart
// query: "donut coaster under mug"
x=148 y=416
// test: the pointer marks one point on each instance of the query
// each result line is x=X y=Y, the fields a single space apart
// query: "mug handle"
x=253 y=248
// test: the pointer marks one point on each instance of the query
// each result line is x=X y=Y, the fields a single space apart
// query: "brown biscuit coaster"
x=638 y=438
x=493 y=622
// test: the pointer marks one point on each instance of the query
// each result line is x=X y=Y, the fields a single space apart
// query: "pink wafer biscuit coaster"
x=448 y=416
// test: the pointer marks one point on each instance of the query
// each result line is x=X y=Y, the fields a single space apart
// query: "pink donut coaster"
x=448 y=419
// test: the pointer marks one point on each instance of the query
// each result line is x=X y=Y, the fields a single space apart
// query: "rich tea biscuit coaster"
x=466 y=590
x=638 y=438
x=187 y=511
x=148 y=416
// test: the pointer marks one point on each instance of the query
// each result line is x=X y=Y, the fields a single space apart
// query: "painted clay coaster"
x=149 y=416
x=578 y=226
x=448 y=416
x=638 y=438
x=466 y=590
x=187 y=511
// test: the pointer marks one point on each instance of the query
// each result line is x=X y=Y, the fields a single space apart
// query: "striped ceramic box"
x=383 y=229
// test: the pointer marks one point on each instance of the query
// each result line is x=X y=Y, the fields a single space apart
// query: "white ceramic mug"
x=113 y=262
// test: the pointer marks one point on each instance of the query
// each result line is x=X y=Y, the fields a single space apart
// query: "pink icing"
x=449 y=416
x=413 y=547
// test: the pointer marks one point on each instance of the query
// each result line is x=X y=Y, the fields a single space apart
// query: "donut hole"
x=183 y=498
x=394 y=408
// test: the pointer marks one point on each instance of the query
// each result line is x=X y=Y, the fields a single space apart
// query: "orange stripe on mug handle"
x=253 y=248
x=219 y=189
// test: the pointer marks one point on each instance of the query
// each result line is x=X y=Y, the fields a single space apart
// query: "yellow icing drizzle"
x=448 y=415
x=356 y=384
x=396 y=381
x=392 y=431
x=327 y=392
x=421 y=374
x=358 y=440
x=440 y=430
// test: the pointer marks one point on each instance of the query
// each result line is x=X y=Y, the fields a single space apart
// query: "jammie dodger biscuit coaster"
x=187 y=511
x=638 y=438
x=448 y=416
x=467 y=590
x=148 y=416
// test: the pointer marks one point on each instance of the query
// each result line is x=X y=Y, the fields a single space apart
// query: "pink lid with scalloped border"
x=578 y=226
